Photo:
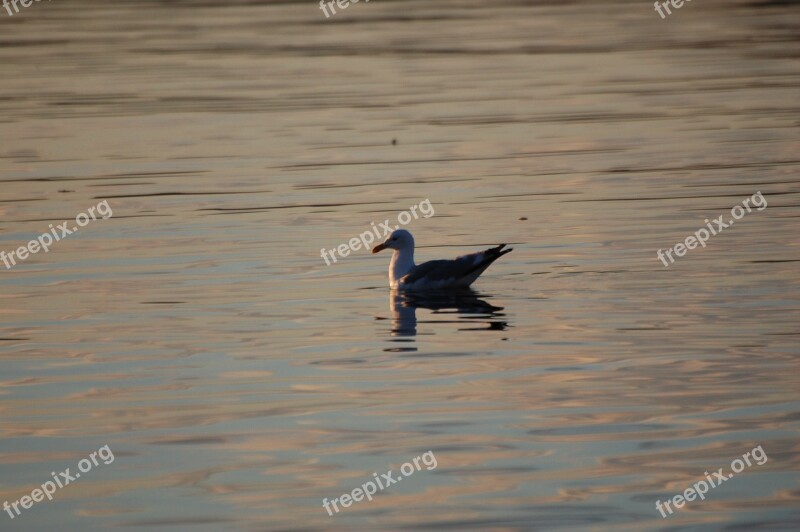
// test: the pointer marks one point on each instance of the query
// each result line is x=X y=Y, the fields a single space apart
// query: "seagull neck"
x=402 y=263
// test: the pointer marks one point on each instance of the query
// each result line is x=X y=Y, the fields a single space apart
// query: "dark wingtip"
x=500 y=251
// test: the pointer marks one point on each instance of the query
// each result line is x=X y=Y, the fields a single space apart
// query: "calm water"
x=239 y=381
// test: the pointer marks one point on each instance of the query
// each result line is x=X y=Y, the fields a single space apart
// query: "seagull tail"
x=492 y=254
x=496 y=253
x=489 y=256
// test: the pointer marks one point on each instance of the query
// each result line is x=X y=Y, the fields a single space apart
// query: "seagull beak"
x=379 y=247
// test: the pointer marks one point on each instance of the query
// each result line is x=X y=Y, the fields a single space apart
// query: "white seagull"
x=435 y=274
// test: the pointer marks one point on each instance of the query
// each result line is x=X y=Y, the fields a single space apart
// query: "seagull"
x=435 y=274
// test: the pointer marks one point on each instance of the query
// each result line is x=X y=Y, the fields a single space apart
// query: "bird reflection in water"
x=463 y=304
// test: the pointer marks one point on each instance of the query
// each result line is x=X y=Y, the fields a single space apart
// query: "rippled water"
x=239 y=381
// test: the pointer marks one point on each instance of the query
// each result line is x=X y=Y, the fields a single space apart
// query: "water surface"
x=239 y=380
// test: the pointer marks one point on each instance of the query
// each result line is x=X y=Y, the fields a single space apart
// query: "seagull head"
x=399 y=239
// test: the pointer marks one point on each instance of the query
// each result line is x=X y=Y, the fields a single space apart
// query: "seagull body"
x=436 y=274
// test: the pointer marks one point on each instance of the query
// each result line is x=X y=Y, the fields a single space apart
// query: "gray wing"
x=439 y=270
x=443 y=270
